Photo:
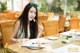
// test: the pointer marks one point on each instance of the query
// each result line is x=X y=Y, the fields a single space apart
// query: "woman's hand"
x=21 y=40
x=40 y=29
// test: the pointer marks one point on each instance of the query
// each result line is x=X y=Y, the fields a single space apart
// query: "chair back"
x=41 y=19
x=50 y=27
x=41 y=13
x=62 y=20
x=3 y=16
x=17 y=13
x=50 y=14
x=6 y=29
x=10 y=14
x=74 y=16
x=74 y=23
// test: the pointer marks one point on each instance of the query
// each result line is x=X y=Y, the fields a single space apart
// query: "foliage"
x=5 y=47
x=78 y=7
x=3 y=6
x=58 y=5
x=44 y=6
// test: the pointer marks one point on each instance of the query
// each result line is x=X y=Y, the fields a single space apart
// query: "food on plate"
x=39 y=44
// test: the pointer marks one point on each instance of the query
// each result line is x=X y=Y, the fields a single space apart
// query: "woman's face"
x=32 y=14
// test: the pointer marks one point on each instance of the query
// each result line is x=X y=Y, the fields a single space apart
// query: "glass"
x=74 y=34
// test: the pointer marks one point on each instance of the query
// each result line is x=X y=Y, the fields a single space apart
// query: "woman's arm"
x=40 y=29
x=14 y=31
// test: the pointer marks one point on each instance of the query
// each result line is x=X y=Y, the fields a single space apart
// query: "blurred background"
x=56 y=6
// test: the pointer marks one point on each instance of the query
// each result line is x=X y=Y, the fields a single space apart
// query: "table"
x=54 y=45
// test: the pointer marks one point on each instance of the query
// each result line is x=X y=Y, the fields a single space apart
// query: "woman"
x=26 y=26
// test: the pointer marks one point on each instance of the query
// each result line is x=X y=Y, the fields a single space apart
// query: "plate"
x=35 y=46
x=52 y=38
x=66 y=33
x=35 y=43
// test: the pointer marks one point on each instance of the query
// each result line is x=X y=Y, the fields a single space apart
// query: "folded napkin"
x=67 y=40
x=70 y=48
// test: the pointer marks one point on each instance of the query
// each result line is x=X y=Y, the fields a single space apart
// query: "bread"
x=39 y=44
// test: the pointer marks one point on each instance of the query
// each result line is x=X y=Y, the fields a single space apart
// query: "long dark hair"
x=24 y=19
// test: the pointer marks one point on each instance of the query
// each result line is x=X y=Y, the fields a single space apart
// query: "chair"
x=50 y=28
x=50 y=14
x=79 y=27
x=62 y=20
x=6 y=29
x=3 y=16
x=41 y=14
x=74 y=23
x=10 y=14
x=17 y=14
x=41 y=19
x=74 y=16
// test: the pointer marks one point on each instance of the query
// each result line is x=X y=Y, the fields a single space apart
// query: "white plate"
x=35 y=43
x=52 y=38
x=35 y=46
x=65 y=33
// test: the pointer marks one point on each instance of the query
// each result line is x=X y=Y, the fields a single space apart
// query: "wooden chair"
x=41 y=19
x=41 y=14
x=17 y=14
x=6 y=29
x=3 y=16
x=50 y=28
x=10 y=14
x=79 y=27
x=62 y=20
x=74 y=23
x=50 y=14
x=74 y=16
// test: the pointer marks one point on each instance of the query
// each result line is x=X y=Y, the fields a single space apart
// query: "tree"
x=78 y=7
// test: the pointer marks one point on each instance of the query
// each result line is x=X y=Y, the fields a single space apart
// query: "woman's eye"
x=32 y=12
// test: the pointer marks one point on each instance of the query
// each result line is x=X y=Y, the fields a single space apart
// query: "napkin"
x=67 y=41
x=68 y=49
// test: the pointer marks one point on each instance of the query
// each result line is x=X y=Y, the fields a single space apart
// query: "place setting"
x=35 y=43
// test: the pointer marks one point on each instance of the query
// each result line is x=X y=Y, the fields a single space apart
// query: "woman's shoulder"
x=17 y=23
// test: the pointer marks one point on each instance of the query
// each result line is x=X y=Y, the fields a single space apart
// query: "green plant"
x=3 y=6
x=44 y=6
